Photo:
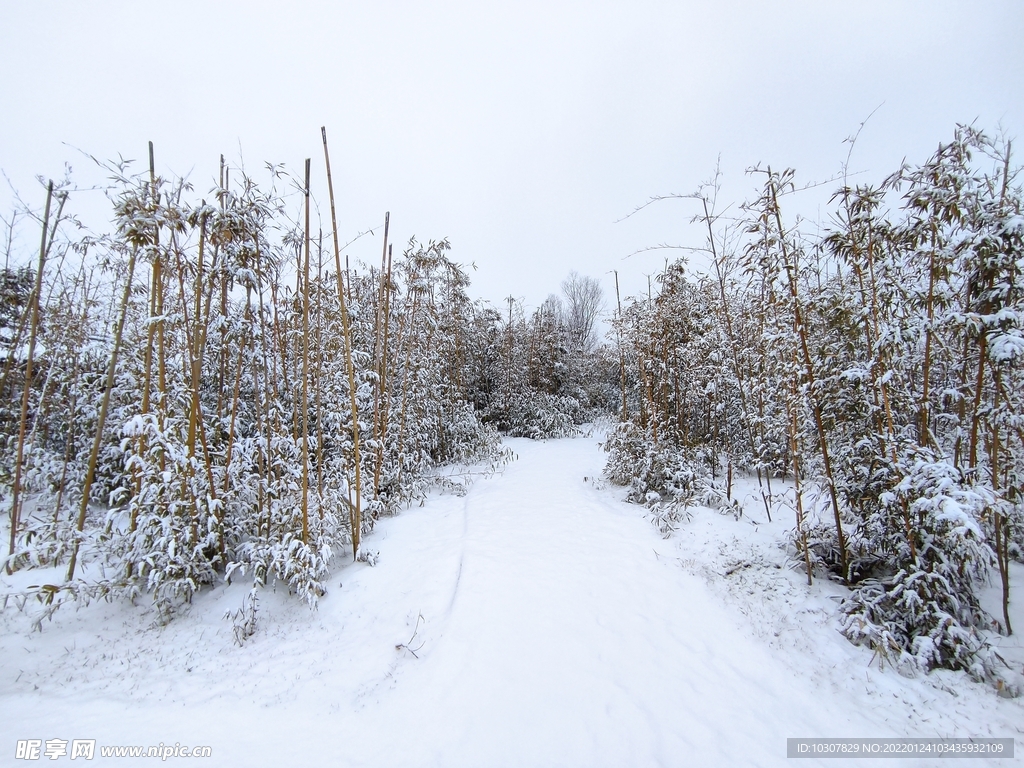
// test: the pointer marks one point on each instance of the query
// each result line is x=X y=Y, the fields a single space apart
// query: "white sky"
x=522 y=130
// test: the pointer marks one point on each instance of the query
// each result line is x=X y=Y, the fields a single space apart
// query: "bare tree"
x=584 y=302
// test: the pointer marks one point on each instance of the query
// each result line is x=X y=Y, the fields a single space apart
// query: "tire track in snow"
x=462 y=559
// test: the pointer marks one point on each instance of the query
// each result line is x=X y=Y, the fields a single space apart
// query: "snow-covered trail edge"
x=537 y=621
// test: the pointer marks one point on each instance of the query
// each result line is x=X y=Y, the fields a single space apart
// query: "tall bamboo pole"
x=27 y=389
x=999 y=521
x=73 y=405
x=317 y=374
x=356 y=510
x=197 y=341
x=158 y=285
x=380 y=358
x=727 y=316
x=102 y=417
x=801 y=330
x=622 y=354
x=305 y=371
x=386 y=398
x=795 y=450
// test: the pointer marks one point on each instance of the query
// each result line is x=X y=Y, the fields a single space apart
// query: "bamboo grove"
x=207 y=393
x=877 y=366
x=212 y=391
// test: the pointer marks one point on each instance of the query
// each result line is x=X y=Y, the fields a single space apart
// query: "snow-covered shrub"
x=666 y=516
x=246 y=619
x=467 y=438
x=166 y=538
x=537 y=415
x=652 y=473
x=927 y=611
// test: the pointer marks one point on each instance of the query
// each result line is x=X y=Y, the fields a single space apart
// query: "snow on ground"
x=536 y=621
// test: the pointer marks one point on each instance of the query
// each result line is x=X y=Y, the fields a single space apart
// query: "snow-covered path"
x=536 y=621
x=568 y=640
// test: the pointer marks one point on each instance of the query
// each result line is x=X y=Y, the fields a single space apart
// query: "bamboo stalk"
x=158 y=284
x=305 y=371
x=379 y=358
x=72 y=409
x=356 y=509
x=407 y=326
x=801 y=330
x=622 y=355
x=196 y=346
x=385 y=394
x=47 y=390
x=37 y=290
x=378 y=320
x=195 y=340
x=978 y=390
x=794 y=447
x=727 y=316
x=102 y=417
x=317 y=375
x=269 y=394
x=923 y=435
x=1000 y=523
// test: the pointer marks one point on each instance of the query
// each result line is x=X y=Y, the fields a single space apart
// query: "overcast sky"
x=519 y=130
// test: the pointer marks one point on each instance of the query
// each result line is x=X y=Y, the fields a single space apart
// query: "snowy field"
x=536 y=621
